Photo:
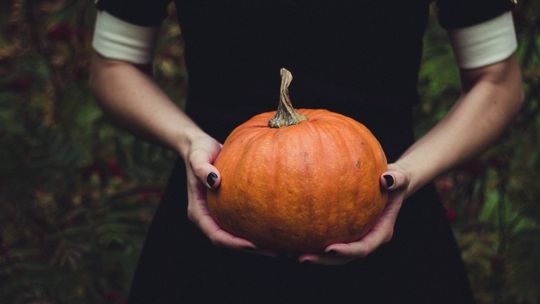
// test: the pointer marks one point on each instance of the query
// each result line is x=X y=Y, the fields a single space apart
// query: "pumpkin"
x=297 y=181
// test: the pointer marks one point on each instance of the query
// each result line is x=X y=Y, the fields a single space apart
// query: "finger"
x=222 y=238
x=394 y=179
x=205 y=172
x=381 y=233
x=197 y=205
x=199 y=214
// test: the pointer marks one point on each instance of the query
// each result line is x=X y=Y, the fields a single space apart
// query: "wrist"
x=185 y=139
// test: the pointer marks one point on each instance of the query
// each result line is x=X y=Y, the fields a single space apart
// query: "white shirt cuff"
x=485 y=43
x=117 y=39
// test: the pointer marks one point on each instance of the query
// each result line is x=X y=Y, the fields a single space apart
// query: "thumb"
x=204 y=170
x=394 y=179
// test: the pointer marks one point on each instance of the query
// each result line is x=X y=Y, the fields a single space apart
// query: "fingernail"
x=332 y=252
x=389 y=181
x=306 y=262
x=211 y=179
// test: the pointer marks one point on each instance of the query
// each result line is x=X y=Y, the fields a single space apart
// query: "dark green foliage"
x=76 y=193
x=494 y=198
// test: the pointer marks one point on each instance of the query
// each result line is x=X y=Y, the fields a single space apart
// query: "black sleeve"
x=462 y=13
x=139 y=12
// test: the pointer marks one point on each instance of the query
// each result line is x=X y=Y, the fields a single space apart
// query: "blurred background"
x=77 y=194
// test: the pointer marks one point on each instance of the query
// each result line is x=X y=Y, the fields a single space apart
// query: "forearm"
x=491 y=98
x=135 y=102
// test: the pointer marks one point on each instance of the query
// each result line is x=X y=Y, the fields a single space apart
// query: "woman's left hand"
x=396 y=181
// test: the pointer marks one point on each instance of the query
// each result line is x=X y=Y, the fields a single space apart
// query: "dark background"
x=77 y=194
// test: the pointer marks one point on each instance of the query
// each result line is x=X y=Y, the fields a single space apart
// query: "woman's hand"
x=201 y=174
x=395 y=181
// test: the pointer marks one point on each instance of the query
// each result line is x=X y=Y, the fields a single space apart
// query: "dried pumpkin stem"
x=286 y=115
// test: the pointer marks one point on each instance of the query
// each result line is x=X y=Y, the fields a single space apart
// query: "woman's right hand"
x=201 y=174
x=124 y=92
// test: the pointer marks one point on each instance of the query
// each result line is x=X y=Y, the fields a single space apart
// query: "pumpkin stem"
x=286 y=115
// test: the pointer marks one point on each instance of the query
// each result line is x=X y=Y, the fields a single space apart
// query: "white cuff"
x=485 y=43
x=117 y=39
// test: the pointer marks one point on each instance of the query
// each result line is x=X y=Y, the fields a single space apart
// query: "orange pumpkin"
x=299 y=181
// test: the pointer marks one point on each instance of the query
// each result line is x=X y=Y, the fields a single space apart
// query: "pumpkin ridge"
x=350 y=156
x=330 y=208
x=331 y=143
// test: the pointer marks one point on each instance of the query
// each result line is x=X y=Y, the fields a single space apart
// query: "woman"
x=358 y=58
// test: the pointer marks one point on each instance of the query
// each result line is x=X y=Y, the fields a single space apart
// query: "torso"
x=345 y=55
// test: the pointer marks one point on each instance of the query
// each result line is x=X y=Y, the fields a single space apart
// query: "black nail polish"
x=389 y=180
x=211 y=179
x=331 y=252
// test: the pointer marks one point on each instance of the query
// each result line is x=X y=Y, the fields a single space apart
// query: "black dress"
x=356 y=57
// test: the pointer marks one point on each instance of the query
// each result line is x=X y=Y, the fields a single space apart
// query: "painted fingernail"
x=332 y=252
x=389 y=180
x=211 y=179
